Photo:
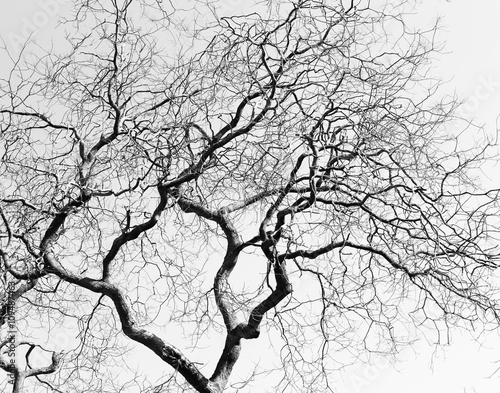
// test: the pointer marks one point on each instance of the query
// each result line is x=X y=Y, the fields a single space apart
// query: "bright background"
x=470 y=64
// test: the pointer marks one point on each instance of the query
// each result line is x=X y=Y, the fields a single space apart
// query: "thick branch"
x=166 y=352
x=250 y=330
x=134 y=233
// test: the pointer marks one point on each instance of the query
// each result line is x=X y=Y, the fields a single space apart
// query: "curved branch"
x=166 y=352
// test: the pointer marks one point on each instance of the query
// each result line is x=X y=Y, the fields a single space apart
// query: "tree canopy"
x=187 y=179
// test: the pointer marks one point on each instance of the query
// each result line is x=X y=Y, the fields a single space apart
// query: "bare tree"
x=170 y=180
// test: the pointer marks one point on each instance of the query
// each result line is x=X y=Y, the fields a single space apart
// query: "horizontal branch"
x=312 y=254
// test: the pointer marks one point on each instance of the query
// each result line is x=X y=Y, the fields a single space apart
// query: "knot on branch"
x=245 y=331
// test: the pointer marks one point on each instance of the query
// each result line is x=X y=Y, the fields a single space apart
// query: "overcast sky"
x=472 y=33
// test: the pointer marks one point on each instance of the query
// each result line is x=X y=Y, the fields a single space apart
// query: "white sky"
x=472 y=33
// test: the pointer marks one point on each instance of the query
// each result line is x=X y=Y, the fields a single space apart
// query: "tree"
x=160 y=173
